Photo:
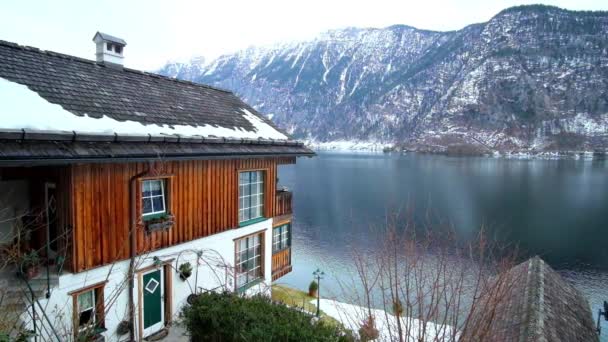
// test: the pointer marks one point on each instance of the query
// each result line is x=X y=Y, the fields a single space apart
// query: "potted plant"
x=30 y=265
x=124 y=327
x=313 y=288
x=185 y=271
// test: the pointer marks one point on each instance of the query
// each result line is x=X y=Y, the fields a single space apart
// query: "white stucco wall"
x=217 y=250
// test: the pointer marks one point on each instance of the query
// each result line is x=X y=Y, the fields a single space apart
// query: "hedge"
x=230 y=317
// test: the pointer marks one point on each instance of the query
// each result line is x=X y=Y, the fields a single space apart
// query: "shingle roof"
x=537 y=305
x=83 y=87
x=111 y=38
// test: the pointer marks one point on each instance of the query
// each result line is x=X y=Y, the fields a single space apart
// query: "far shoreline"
x=387 y=148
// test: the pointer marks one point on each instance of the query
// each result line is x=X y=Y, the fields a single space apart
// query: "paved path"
x=177 y=334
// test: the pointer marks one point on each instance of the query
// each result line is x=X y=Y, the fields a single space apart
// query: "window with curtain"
x=89 y=307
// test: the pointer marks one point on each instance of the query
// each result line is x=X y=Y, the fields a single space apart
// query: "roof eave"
x=46 y=161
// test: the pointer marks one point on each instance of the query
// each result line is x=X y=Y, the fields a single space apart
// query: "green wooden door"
x=153 y=300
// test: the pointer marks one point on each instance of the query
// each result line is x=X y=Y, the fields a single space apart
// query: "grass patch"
x=293 y=297
x=300 y=299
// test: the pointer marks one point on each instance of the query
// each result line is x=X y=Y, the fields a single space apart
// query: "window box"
x=161 y=222
x=252 y=221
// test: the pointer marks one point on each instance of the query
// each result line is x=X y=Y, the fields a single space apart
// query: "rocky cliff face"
x=531 y=78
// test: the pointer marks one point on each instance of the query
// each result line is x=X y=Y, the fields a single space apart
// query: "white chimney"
x=109 y=49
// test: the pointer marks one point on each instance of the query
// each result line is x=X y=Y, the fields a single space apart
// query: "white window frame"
x=239 y=262
x=246 y=200
x=282 y=240
x=151 y=197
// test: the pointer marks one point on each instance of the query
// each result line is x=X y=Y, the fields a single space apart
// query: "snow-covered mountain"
x=531 y=78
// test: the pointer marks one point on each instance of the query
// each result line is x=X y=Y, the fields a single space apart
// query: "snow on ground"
x=352 y=317
x=23 y=108
x=348 y=145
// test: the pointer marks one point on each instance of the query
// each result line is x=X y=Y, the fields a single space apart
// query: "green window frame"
x=249 y=260
x=281 y=237
x=153 y=198
x=251 y=197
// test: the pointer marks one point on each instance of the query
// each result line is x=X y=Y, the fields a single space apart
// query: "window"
x=251 y=195
x=89 y=309
x=117 y=48
x=109 y=46
x=281 y=237
x=86 y=309
x=249 y=260
x=153 y=198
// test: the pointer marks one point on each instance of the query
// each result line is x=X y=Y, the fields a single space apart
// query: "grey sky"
x=157 y=31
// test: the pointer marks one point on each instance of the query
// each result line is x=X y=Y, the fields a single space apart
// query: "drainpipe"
x=132 y=250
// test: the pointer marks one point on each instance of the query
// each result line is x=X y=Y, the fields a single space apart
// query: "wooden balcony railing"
x=281 y=263
x=283 y=203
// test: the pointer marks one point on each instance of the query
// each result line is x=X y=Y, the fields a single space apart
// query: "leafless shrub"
x=424 y=283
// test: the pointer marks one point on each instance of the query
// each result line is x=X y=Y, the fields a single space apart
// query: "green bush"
x=228 y=317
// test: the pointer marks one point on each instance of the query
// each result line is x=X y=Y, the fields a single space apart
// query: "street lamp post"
x=318 y=274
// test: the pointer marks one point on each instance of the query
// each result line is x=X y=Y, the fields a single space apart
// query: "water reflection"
x=553 y=208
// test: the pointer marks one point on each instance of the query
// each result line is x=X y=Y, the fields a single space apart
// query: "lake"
x=557 y=209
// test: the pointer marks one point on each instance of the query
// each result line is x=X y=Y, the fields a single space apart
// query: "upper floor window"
x=249 y=260
x=281 y=237
x=251 y=195
x=153 y=198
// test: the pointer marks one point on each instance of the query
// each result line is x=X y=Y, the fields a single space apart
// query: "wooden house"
x=131 y=191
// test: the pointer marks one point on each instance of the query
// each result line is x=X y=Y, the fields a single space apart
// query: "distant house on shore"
x=539 y=306
x=125 y=192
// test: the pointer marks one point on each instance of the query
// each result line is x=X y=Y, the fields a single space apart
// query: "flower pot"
x=184 y=275
x=191 y=298
x=32 y=272
x=123 y=328
x=312 y=293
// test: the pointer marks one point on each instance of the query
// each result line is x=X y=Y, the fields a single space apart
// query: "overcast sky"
x=157 y=31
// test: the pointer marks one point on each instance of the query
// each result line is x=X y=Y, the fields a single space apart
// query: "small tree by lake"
x=423 y=283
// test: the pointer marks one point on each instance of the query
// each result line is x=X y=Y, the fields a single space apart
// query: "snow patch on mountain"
x=532 y=77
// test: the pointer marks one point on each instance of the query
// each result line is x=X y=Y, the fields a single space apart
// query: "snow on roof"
x=23 y=108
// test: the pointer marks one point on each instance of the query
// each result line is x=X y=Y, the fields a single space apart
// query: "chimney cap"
x=109 y=38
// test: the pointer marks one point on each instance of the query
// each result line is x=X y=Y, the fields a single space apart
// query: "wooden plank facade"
x=281 y=263
x=283 y=203
x=203 y=198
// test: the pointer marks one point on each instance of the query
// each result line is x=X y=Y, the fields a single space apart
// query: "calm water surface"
x=557 y=209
